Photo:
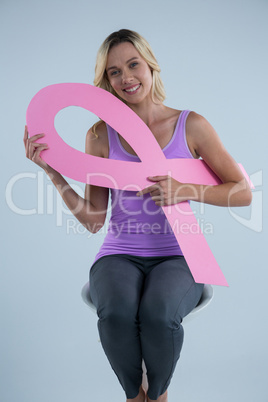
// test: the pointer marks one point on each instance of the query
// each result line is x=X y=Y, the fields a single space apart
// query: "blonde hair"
x=125 y=35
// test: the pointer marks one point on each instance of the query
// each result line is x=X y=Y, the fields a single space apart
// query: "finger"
x=157 y=198
x=36 y=154
x=156 y=192
x=160 y=203
x=30 y=149
x=147 y=190
x=39 y=144
x=40 y=149
x=36 y=137
x=157 y=178
x=25 y=137
x=34 y=147
x=28 y=141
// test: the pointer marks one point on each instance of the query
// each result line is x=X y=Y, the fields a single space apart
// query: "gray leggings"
x=141 y=302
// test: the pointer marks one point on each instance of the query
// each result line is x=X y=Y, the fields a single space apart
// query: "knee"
x=158 y=316
x=117 y=313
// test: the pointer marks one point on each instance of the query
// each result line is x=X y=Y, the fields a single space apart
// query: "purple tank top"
x=137 y=226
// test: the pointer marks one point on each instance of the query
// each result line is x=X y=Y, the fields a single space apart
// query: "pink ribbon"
x=98 y=171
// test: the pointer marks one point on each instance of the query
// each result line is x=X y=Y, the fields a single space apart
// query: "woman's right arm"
x=91 y=210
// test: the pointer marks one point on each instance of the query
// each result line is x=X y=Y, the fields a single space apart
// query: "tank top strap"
x=116 y=149
x=181 y=150
x=111 y=140
x=180 y=129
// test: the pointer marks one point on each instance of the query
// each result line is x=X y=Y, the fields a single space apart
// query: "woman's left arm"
x=204 y=142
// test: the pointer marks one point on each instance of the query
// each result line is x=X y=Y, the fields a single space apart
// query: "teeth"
x=132 y=89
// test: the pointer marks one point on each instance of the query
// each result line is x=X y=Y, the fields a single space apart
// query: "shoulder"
x=196 y=122
x=200 y=134
x=207 y=144
x=97 y=142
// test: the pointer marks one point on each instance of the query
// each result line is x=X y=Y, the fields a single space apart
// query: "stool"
x=205 y=299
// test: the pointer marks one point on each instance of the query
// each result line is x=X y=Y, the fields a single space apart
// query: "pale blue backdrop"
x=214 y=60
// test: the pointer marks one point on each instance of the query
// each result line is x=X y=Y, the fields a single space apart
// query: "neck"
x=148 y=111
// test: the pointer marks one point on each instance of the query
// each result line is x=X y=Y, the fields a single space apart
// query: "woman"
x=140 y=282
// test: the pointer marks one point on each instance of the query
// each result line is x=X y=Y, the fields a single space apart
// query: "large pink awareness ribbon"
x=98 y=171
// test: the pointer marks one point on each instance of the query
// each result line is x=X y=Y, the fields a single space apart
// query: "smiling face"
x=128 y=73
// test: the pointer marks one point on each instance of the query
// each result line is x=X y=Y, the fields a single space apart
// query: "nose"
x=126 y=77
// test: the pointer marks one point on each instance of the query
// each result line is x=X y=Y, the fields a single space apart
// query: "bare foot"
x=162 y=398
x=141 y=397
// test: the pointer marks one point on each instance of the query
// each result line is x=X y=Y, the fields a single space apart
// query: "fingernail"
x=138 y=194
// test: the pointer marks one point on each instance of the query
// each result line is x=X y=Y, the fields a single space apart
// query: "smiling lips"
x=132 y=90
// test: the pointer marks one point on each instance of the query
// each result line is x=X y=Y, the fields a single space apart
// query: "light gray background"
x=213 y=56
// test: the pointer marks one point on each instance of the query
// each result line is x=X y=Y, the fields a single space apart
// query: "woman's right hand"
x=33 y=149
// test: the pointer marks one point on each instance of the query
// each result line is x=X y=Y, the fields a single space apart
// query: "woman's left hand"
x=166 y=190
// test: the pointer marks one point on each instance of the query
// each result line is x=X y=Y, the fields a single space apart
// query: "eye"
x=133 y=64
x=114 y=72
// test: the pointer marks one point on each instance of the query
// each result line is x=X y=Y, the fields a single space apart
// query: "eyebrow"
x=132 y=58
